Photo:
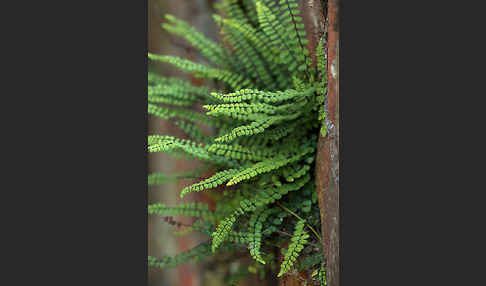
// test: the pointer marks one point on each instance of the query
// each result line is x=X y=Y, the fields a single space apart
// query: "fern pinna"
x=264 y=97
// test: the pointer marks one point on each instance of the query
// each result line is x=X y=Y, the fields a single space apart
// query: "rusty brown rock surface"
x=327 y=161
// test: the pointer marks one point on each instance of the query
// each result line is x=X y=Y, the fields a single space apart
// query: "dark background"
x=74 y=200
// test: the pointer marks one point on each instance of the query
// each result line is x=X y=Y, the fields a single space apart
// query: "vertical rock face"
x=327 y=163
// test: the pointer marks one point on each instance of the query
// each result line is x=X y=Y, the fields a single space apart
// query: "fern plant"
x=265 y=99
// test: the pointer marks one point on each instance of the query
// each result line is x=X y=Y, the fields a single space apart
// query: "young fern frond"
x=310 y=261
x=197 y=225
x=295 y=28
x=169 y=113
x=322 y=275
x=279 y=37
x=192 y=130
x=211 y=182
x=250 y=95
x=239 y=152
x=321 y=66
x=245 y=52
x=237 y=237
x=265 y=166
x=233 y=10
x=155 y=79
x=222 y=231
x=280 y=131
x=255 y=227
x=202 y=71
x=180 y=89
x=255 y=127
x=299 y=239
x=169 y=144
x=159 y=178
x=154 y=97
x=287 y=17
x=242 y=111
x=185 y=209
x=268 y=55
x=270 y=195
x=169 y=100
x=208 y=48
x=295 y=171
x=163 y=143
x=322 y=90
x=176 y=94
x=250 y=10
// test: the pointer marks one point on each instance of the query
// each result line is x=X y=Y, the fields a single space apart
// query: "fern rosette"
x=267 y=110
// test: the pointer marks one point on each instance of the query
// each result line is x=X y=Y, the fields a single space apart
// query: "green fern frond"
x=194 y=254
x=295 y=171
x=180 y=94
x=155 y=79
x=198 y=225
x=211 y=182
x=159 y=178
x=202 y=71
x=269 y=195
x=250 y=10
x=321 y=62
x=322 y=275
x=242 y=111
x=239 y=152
x=169 y=100
x=164 y=143
x=245 y=95
x=295 y=29
x=255 y=127
x=255 y=227
x=222 y=231
x=208 y=48
x=322 y=91
x=192 y=130
x=179 y=89
x=299 y=239
x=232 y=9
x=245 y=52
x=192 y=209
x=310 y=261
x=281 y=131
x=169 y=144
x=263 y=53
x=237 y=237
x=265 y=167
x=279 y=36
x=169 y=113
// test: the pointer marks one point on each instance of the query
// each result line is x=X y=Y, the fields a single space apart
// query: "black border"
x=82 y=194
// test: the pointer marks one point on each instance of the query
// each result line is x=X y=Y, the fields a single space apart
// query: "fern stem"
x=298 y=36
x=294 y=214
x=289 y=235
